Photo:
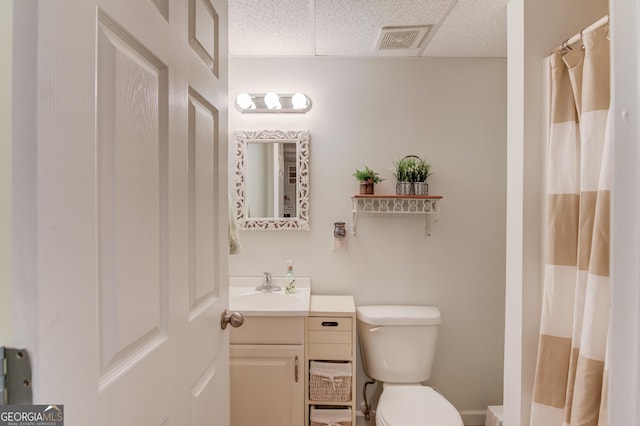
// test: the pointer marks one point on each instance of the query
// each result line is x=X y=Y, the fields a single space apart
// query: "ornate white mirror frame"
x=300 y=221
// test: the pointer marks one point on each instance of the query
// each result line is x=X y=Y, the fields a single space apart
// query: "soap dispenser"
x=291 y=286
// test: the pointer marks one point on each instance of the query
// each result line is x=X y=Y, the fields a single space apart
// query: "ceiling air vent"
x=393 y=38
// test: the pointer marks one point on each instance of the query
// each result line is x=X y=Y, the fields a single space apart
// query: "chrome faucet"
x=266 y=285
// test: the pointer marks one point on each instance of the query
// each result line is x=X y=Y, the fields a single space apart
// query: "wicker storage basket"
x=330 y=416
x=330 y=381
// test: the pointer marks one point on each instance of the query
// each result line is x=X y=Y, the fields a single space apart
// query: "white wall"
x=534 y=28
x=6 y=40
x=374 y=111
x=624 y=368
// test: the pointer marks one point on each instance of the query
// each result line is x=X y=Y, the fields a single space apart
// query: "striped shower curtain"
x=570 y=385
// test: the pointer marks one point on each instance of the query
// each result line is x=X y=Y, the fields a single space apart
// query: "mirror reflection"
x=271 y=181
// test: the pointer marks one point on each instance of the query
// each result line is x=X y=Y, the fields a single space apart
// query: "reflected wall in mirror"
x=271 y=182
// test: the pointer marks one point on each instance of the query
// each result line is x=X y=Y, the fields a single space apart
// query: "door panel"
x=203 y=32
x=131 y=269
x=205 y=291
x=203 y=204
x=131 y=199
x=203 y=394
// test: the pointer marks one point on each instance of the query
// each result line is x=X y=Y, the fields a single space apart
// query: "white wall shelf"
x=428 y=205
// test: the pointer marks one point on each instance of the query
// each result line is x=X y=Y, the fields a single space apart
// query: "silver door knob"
x=236 y=319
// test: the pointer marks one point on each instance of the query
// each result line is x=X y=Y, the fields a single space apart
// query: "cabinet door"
x=267 y=385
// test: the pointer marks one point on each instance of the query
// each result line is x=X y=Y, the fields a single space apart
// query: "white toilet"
x=397 y=344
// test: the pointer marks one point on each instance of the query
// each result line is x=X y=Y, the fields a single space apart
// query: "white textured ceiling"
x=461 y=28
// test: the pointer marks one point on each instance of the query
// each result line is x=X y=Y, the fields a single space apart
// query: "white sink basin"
x=244 y=298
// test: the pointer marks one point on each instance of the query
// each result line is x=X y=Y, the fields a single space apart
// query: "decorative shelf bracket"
x=428 y=205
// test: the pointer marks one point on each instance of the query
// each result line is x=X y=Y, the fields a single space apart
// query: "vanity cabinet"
x=331 y=336
x=267 y=372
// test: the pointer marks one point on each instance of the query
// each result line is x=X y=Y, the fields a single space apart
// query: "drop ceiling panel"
x=352 y=27
x=271 y=27
x=474 y=28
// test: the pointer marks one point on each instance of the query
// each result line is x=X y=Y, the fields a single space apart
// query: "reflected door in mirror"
x=271 y=179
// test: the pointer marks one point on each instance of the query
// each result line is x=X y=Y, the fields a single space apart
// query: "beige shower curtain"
x=571 y=375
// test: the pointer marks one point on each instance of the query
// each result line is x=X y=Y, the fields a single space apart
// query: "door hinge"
x=15 y=377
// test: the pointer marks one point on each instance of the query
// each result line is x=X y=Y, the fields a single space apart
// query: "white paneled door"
x=130 y=246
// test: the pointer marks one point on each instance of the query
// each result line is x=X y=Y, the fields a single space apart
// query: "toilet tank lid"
x=399 y=315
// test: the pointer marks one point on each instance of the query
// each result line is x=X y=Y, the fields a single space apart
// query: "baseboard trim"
x=473 y=417
x=361 y=421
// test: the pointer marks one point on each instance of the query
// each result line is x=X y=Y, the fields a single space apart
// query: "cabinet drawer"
x=330 y=338
x=269 y=330
x=333 y=337
x=330 y=323
x=330 y=351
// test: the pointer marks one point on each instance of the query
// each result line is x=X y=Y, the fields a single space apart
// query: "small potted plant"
x=411 y=173
x=421 y=172
x=367 y=178
x=403 y=170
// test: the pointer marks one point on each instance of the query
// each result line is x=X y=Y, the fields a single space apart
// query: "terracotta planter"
x=366 y=188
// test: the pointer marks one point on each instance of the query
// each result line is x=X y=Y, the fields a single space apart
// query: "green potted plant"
x=421 y=172
x=411 y=173
x=367 y=178
x=403 y=172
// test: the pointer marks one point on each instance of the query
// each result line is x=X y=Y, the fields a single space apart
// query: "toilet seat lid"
x=415 y=406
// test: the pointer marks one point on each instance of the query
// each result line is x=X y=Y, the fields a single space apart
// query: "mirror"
x=272 y=180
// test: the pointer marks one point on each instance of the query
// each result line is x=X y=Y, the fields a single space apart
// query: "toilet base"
x=415 y=405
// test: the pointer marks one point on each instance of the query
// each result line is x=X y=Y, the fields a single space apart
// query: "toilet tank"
x=398 y=342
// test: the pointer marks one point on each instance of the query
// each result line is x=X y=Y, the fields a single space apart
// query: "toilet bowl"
x=415 y=405
x=397 y=345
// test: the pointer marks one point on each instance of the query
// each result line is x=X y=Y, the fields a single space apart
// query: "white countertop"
x=244 y=298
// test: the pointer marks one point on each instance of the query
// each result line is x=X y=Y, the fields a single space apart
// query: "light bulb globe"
x=272 y=100
x=299 y=101
x=244 y=101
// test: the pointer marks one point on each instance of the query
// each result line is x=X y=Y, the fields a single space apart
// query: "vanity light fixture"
x=272 y=102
